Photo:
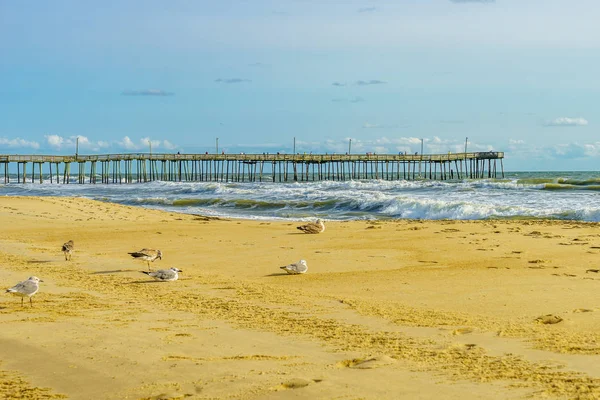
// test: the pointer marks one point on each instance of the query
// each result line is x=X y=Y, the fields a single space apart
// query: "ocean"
x=520 y=195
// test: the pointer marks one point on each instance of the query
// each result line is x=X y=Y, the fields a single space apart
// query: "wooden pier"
x=146 y=167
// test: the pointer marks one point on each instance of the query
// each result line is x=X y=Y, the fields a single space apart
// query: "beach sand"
x=387 y=310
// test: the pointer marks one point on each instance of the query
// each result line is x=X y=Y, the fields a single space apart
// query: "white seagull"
x=26 y=288
x=147 y=255
x=68 y=248
x=313 y=227
x=296 y=268
x=164 y=275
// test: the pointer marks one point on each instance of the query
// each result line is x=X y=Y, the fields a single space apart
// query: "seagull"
x=68 y=248
x=164 y=275
x=296 y=268
x=147 y=255
x=313 y=227
x=26 y=288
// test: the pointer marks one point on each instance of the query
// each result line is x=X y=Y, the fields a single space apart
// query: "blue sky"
x=511 y=75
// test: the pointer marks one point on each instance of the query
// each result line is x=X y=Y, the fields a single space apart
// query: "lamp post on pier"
x=349 y=146
x=466 y=167
x=421 y=157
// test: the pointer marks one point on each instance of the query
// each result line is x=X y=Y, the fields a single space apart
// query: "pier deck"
x=147 y=167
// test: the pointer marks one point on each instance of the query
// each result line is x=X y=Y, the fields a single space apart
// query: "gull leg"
x=21 y=302
x=31 y=302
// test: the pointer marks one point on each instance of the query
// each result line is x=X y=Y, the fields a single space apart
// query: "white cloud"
x=18 y=142
x=128 y=144
x=54 y=141
x=144 y=144
x=368 y=125
x=370 y=82
x=146 y=141
x=386 y=145
x=566 y=121
x=58 y=142
x=168 y=145
x=232 y=80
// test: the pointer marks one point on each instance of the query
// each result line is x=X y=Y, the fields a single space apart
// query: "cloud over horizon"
x=59 y=143
x=368 y=125
x=144 y=144
x=566 y=121
x=18 y=142
x=370 y=82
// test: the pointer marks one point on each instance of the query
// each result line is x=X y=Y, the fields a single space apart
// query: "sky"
x=256 y=76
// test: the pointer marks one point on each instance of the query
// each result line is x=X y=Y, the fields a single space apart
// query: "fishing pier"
x=148 y=167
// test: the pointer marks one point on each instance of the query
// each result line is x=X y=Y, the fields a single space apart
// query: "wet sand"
x=387 y=310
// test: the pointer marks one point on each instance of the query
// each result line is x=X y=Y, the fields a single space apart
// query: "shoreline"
x=453 y=302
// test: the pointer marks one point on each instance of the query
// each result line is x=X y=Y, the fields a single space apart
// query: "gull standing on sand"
x=164 y=275
x=296 y=268
x=26 y=288
x=313 y=227
x=147 y=255
x=68 y=248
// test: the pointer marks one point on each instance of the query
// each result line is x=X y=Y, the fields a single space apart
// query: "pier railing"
x=145 y=167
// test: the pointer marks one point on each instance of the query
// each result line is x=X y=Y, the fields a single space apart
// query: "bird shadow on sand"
x=38 y=261
x=114 y=271
x=278 y=274
x=139 y=282
x=296 y=233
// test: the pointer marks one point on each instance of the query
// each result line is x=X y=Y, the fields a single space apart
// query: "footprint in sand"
x=297 y=383
x=580 y=310
x=537 y=261
x=367 y=363
x=534 y=233
x=462 y=331
x=548 y=319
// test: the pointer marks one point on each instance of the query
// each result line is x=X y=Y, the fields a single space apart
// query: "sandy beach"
x=394 y=309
